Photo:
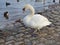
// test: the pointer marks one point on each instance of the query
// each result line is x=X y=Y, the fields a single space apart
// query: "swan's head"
x=28 y=6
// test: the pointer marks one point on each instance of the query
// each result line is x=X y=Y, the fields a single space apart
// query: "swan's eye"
x=23 y=9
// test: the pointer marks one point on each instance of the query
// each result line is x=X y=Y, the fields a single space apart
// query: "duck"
x=6 y=15
x=17 y=0
x=7 y=4
x=33 y=20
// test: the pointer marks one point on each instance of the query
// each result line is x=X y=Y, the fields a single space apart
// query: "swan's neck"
x=32 y=11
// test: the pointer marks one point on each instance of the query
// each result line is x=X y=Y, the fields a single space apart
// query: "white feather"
x=35 y=21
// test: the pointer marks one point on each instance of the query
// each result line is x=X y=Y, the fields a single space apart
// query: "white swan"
x=34 y=20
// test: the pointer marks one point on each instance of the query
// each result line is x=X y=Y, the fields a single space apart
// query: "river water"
x=15 y=12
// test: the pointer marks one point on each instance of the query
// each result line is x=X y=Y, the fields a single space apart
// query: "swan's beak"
x=23 y=10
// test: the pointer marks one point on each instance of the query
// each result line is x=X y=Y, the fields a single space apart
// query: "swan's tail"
x=48 y=23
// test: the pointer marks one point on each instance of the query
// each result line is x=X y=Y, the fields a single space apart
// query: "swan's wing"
x=39 y=20
x=36 y=21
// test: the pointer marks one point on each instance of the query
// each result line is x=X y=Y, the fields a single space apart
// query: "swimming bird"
x=33 y=20
x=7 y=4
x=6 y=15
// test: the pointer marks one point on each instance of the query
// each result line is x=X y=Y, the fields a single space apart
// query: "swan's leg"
x=35 y=31
x=38 y=31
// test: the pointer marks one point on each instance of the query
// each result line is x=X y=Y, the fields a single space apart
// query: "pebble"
x=50 y=41
x=2 y=41
x=35 y=42
x=19 y=39
x=19 y=43
x=58 y=30
x=27 y=36
x=43 y=34
x=10 y=42
x=58 y=43
x=22 y=28
x=34 y=35
x=41 y=44
x=10 y=38
x=27 y=42
x=42 y=39
x=56 y=35
x=19 y=35
x=55 y=12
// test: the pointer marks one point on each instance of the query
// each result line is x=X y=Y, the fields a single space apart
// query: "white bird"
x=33 y=20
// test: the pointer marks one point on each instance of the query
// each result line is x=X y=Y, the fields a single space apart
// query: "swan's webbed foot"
x=35 y=31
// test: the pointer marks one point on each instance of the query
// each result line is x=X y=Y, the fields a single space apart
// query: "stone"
x=19 y=39
x=28 y=36
x=10 y=38
x=2 y=41
x=56 y=35
x=50 y=41
x=55 y=12
x=41 y=44
x=27 y=42
x=10 y=42
x=43 y=39
x=19 y=43
x=20 y=35
x=58 y=43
